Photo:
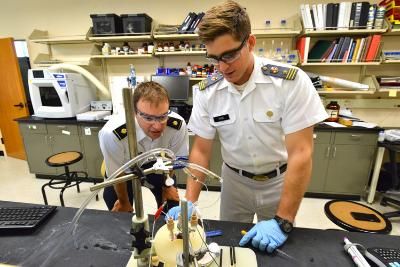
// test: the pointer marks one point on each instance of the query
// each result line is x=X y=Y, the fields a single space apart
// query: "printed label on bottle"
x=333 y=113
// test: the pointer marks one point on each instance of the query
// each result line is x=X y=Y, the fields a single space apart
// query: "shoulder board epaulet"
x=174 y=123
x=279 y=71
x=120 y=132
x=210 y=81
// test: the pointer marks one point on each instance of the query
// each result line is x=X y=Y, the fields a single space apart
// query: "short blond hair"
x=226 y=18
x=152 y=92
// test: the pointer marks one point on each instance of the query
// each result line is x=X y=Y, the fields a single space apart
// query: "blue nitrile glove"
x=266 y=235
x=174 y=212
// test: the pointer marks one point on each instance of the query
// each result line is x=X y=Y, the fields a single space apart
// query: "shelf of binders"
x=369 y=80
x=181 y=53
x=42 y=37
x=342 y=51
x=137 y=56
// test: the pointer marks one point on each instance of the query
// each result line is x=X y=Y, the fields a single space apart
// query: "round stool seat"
x=64 y=158
x=356 y=217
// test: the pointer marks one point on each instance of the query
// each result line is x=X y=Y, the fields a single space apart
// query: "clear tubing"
x=163 y=152
x=199 y=168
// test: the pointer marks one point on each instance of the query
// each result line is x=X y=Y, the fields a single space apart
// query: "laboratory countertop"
x=319 y=127
x=34 y=119
x=102 y=239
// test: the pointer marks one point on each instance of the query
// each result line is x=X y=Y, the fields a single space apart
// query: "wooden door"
x=12 y=99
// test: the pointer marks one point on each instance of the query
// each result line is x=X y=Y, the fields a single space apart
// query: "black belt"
x=259 y=177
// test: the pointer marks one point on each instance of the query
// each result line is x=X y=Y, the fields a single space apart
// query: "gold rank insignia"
x=279 y=71
x=174 y=123
x=120 y=132
x=209 y=81
x=269 y=113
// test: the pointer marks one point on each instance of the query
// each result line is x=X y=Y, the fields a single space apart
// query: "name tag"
x=221 y=118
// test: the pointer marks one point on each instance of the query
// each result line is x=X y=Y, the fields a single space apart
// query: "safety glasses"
x=227 y=57
x=153 y=118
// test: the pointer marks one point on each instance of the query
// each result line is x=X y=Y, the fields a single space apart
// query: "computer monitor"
x=177 y=86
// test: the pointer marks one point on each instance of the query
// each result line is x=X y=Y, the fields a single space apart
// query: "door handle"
x=19 y=105
x=334 y=152
x=328 y=151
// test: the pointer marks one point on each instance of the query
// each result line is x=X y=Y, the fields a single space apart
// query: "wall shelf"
x=181 y=53
x=277 y=33
x=178 y=37
x=44 y=60
x=42 y=37
x=369 y=80
x=340 y=64
x=121 y=38
x=391 y=62
x=122 y=56
x=341 y=32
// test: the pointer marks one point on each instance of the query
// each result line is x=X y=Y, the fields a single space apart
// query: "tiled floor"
x=17 y=184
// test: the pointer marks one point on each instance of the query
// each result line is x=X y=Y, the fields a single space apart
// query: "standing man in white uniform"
x=156 y=127
x=264 y=114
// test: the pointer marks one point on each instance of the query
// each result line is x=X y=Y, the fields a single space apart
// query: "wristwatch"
x=285 y=225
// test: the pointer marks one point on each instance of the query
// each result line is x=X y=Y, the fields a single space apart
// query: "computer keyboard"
x=14 y=218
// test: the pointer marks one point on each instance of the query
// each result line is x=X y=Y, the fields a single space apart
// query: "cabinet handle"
x=61 y=126
x=356 y=136
x=328 y=151
x=50 y=139
x=334 y=152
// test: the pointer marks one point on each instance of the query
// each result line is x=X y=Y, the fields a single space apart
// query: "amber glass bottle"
x=333 y=111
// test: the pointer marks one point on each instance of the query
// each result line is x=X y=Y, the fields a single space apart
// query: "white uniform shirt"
x=252 y=125
x=116 y=152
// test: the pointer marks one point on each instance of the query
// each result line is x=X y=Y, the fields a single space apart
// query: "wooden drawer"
x=322 y=137
x=60 y=129
x=32 y=128
x=356 y=138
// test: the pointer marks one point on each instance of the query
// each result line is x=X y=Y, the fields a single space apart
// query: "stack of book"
x=342 y=16
x=392 y=82
x=343 y=49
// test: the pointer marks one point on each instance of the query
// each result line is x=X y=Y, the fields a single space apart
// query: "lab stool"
x=356 y=217
x=67 y=179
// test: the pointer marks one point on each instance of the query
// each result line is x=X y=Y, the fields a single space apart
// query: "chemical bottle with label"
x=333 y=111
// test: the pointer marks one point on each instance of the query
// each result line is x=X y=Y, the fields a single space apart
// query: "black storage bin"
x=106 y=23
x=136 y=23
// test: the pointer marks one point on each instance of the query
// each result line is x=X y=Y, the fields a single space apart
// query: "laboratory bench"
x=342 y=159
x=102 y=239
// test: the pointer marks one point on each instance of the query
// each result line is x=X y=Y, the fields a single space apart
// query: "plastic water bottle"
x=132 y=77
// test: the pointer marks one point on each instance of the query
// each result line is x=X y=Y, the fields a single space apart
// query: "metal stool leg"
x=44 y=194
x=62 y=197
x=97 y=195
